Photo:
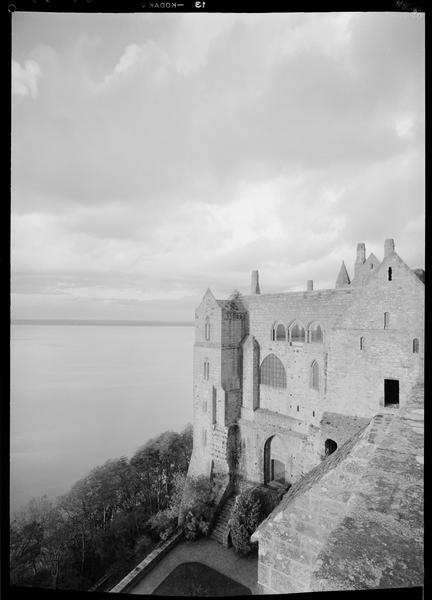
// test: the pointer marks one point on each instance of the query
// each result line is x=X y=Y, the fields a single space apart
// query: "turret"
x=343 y=278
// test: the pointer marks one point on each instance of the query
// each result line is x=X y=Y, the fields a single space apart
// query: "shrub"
x=197 y=506
x=163 y=523
x=245 y=519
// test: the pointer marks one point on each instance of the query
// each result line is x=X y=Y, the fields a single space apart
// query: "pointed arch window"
x=297 y=333
x=272 y=372
x=207 y=329
x=316 y=334
x=314 y=375
x=416 y=346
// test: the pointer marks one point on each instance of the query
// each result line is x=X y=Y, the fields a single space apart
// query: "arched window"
x=416 y=346
x=315 y=334
x=389 y=273
x=297 y=333
x=207 y=328
x=280 y=333
x=329 y=447
x=272 y=372
x=314 y=375
x=362 y=343
x=386 y=320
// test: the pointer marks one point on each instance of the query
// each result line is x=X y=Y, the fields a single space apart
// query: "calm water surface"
x=83 y=394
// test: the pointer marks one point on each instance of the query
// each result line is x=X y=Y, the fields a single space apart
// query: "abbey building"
x=282 y=380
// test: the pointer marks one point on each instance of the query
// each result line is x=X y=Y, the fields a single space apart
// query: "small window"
x=207 y=328
x=214 y=406
x=206 y=370
x=280 y=333
x=315 y=334
x=297 y=333
x=313 y=413
x=389 y=273
x=371 y=266
x=314 y=375
x=298 y=408
x=386 y=320
x=416 y=346
x=362 y=343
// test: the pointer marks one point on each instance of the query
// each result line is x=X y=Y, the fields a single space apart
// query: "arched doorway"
x=329 y=446
x=274 y=466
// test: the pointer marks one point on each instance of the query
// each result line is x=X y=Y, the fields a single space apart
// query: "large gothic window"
x=297 y=333
x=314 y=375
x=272 y=372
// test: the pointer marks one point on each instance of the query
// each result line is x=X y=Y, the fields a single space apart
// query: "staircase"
x=220 y=530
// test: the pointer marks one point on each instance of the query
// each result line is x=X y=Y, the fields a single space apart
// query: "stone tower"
x=219 y=329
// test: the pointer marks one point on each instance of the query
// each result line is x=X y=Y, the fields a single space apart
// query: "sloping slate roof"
x=379 y=540
x=313 y=477
x=379 y=543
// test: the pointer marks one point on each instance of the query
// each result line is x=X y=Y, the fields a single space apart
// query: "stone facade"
x=355 y=521
x=341 y=355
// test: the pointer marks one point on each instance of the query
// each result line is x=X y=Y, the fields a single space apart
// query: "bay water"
x=82 y=394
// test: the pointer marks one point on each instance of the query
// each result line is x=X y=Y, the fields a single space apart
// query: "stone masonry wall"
x=355 y=376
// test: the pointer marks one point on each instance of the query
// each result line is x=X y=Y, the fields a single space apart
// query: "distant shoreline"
x=102 y=322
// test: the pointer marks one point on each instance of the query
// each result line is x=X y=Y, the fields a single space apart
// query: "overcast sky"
x=156 y=155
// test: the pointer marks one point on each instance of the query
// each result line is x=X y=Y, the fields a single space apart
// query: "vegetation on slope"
x=107 y=522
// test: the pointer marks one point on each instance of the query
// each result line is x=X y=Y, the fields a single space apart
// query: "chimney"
x=361 y=253
x=255 y=288
x=309 y=285
x=389 y=247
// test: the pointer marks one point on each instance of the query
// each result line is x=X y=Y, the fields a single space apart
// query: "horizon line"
x=126 y=322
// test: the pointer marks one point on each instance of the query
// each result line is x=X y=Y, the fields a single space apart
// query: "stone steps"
x=220 y=530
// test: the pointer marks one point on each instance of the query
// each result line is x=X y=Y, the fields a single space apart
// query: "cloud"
x=24 y=79
x=164 y=155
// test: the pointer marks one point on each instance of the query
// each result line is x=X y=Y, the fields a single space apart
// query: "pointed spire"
x=343 y=278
